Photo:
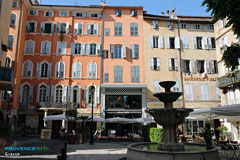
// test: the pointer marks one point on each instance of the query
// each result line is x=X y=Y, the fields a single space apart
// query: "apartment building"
x=6 y=70
x=123 y=89
x=58 y=61
x=182 y=49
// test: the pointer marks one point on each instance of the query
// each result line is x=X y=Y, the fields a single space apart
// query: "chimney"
x=173 y=13
x=162 y=13
x=35 y=2
x=168 y=13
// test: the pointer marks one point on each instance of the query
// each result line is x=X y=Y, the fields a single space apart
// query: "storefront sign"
x=200 y=79
x=46 y=134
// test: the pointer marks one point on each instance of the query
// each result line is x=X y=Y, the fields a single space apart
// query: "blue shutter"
x=120 y=73
x=52 y=27
x=37 y=69
x=69 y=94
x=47 y=93
x=137 y=73
x=136 y=50
x=72 y=48
x=79 y=96
x=132 y=52
x=111 y=50
x=73 y=14
x=31 y=92
x=85 y=94
x=64 y=97
x=42 y=24
x=49 y=70
x=52 y=92
x=132 y=73
x=20 y=93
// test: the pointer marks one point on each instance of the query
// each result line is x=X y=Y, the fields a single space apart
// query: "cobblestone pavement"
x=98 y=151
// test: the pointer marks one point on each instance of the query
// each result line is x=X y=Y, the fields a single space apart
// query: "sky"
x=183 y=7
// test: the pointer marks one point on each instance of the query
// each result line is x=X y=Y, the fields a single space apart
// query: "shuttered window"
x=29 y=47
x=46 y=47
x=157 y=87
x=59 y=94
x=204 y=92
x=118 y=73
x=42 y=97
x=134 y=73
x=60 y=69
x=134 y=29
x=10 y=41
x=189 y=92
x=27 y=69
x=92 y=70
x=44 y=70
x=76 y=70
x=61 y=47
x=118 y=29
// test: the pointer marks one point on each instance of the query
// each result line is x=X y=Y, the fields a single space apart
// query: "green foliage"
x=223 y=131
x=145 y=133
x=71 y=113
x=207 y=134
x=4 y=129
x=156 y=134
x=229 y=9
x=231 y=56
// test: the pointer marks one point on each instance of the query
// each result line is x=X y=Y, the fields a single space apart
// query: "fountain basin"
x=149 y=151
x=168 y=96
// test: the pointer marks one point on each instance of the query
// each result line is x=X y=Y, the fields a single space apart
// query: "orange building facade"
x=123 y=89
x=56 y=51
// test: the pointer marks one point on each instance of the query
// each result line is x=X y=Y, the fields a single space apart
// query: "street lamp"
x=233 y=78
x=91 y=136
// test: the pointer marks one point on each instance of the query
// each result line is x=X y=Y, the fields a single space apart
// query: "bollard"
x=59 y=157
x=63 y=150
x=65 y=147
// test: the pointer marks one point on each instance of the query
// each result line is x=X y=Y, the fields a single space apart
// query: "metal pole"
x=91 y=136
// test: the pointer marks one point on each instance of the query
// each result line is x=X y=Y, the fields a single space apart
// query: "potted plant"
x=223 y=132
x=207 y=135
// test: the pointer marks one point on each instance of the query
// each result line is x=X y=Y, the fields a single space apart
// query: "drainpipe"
x=101 y=48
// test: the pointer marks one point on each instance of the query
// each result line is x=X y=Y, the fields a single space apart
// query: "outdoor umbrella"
x=202 y=114
x=55 y=117
x=96 y=119
x=229 y=110
x=118 y=120
x=143 y=120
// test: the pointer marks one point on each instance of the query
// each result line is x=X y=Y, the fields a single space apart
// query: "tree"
x=229 y=9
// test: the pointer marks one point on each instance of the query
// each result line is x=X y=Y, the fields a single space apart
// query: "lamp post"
x=91 y=132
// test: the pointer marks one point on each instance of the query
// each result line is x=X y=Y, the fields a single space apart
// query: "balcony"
x=226 y=81
x=53 y=105
x=6 y=78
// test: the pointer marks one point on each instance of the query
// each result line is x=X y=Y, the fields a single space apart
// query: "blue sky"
x=183 y=7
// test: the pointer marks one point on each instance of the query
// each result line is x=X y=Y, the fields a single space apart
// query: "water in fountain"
x=168 y=117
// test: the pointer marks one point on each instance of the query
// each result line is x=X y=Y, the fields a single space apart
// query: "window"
x=133 y=12
x=214 y=67
x=48 y=13
x=8 y=62
x=29 y=47
x=172 y=64
x=62 y=27
x=155 y=42
x=27 y=69
x=31 y=27
x=79 y=14
x=184 y=26
x=46 y=27
x=15 y=3
x=189 y=92
x=134 y=51
x=94 y=15
x=6 y=95
x=107 y=31
x=76 y=48
x=198 y=26
x=61 y=47
x=224 y=23
x=42 y=97
x=60 y=68
x=198 y=42
x=118 y=12
x=172 y=42
x=78 y=29
x=33 y=12
x=213 y=43
x=92 y=49
x=92 y=29
x=118 y=73
x=176 y=87
x=92 y=70
x=76 y=70
x=91 y=95
x=118 y=52
x=46 y=47
x=219 y=95
x=25 y=93
x=204 y=92
x=157 y=87
x=76 y=99
x=63 y=13
x=134 y=29
x=59 y=94
x=13 y=19
x=155 y=24
x=211 y=27
x=200 y=66
x=44 y=70
x=118 y=29
x=106 y=77
x=170 y=25
x=155 y=64
x=186 y=66
x=10 y=41
x=134 y=73
x=185 y=42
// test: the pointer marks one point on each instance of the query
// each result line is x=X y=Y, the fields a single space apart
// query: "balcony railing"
x=53 y=105
x=6 y=78
x=226 y=81
x=23 y=106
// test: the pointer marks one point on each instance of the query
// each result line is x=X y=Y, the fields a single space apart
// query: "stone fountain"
x=169 y=118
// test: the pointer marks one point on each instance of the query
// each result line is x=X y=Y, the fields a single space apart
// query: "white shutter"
x=177 y=44
x=87 y=49
x=161 y=43
x=96 y=29
x=75 y=28
x=88 y=29
x=225 y=40
x=151 y=64
x=124 y=51
x=207 y=69
x=85 y=95
x=175 y=64
x=42 y=24
x=220 y=43
x=64 y=97
x=202 y=92
x=209 y=43
x=82 y=48
x=170 y=68
x=72 y=48
x=98 y=48
x=203 y=43
x=48 y=47
x=223 y=69
x=80 y=28
x=167 y=41
x=157 y=87
x=58 y=27
x=151 y=42
x=158 y=64
x=97 y=94
x=186 y=42
x=43 y=47
x=195 y=42
x=237 y=95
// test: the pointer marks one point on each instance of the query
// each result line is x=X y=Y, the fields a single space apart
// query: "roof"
x=152 y=16
x=201 y=19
